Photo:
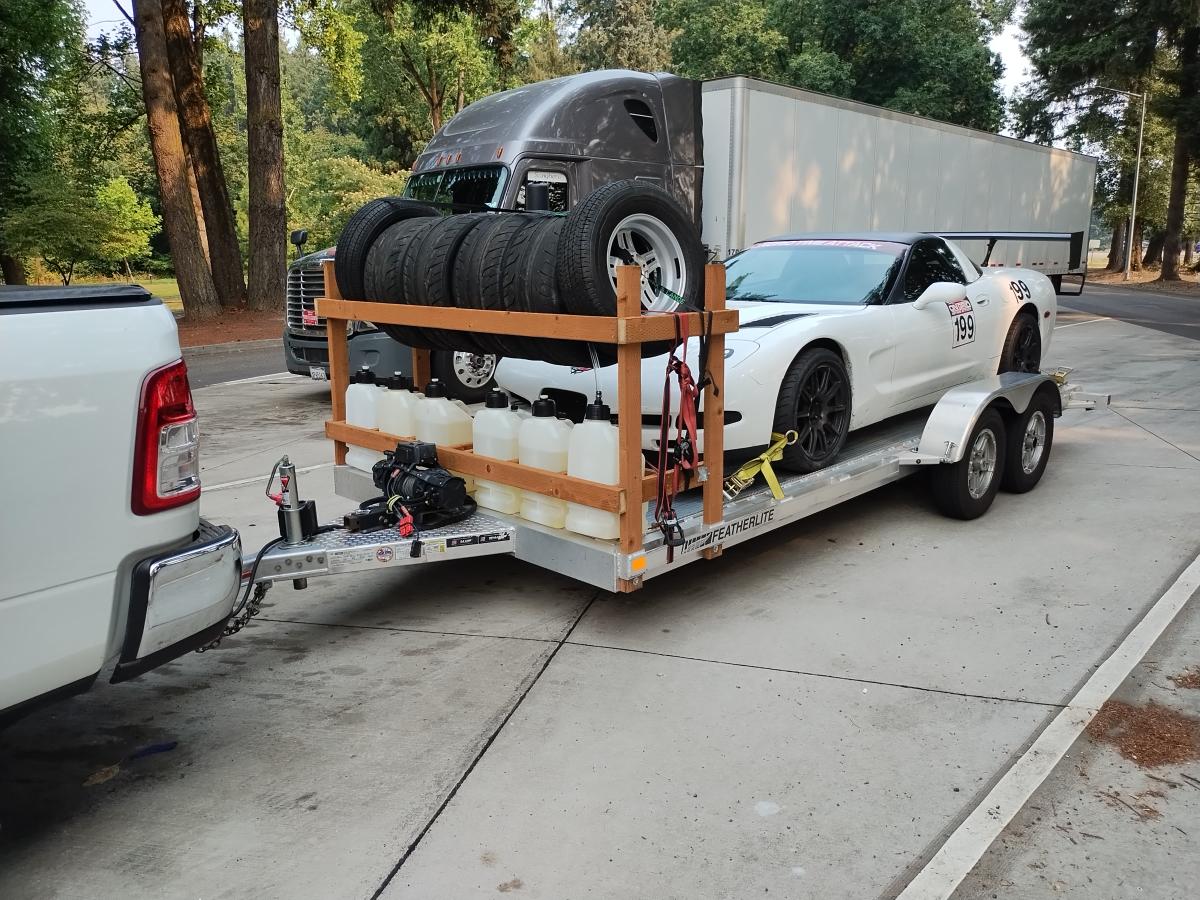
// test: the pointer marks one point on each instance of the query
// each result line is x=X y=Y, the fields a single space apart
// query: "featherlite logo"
x=717 y=535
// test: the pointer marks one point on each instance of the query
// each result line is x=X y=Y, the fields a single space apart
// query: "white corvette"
x=839 y=332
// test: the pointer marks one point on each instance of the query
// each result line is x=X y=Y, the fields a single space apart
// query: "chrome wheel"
x=644 y=240
x=473 y=370
x=981 y=467
x=1033 y=444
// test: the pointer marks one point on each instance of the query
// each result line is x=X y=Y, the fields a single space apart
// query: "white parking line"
x=1085 y=322
x=209 y=488
x=964 y=848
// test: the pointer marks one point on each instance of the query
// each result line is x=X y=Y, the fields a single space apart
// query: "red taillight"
x=166 y=459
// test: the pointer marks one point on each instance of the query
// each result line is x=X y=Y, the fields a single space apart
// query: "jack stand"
x=297 y=518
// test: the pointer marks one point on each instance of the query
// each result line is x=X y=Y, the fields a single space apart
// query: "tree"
x=66 y=224
x=264 y=126
x=623 y=34
x=37 y=40
x=1078 y=45
x=729 y=38
x=184 y=45
x=196 y=288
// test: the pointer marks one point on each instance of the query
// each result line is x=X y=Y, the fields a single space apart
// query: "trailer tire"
x=638 y=223
x=1022 y=346
x=814 y=401
x=359 y=235
x=1030 y=437
x=489 y=274
x=965 y=489
x=426 y=277
x=384 y=273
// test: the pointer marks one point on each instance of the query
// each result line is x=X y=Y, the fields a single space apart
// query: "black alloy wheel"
x=1023 y=346
x=814 y=401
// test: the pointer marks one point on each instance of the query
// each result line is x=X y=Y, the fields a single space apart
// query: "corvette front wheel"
x=814 y=401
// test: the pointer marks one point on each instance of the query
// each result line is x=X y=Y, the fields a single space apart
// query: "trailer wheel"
x=629 y=222
x=965 y=489
x=359 y=235
x=1030 y=437
x=1022 y=346
x=814 y=401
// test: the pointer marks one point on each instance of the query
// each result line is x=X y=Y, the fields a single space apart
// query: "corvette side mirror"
x=941 y=292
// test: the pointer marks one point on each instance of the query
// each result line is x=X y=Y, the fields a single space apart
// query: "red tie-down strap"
x=678 y=460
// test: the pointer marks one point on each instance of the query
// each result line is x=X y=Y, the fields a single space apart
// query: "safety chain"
x=242 y=619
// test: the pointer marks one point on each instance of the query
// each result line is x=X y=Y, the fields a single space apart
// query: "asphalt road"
x=217 y=367
x=1172 y=313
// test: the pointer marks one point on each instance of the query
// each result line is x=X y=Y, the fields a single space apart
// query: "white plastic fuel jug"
x=495 y=434
x=362 y=398
x=396 y=406
x=444 y=422
x=542 y=442
x=594 y=453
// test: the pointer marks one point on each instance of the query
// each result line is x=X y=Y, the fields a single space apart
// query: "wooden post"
x=714 y=399
x=629 y=413
x=420 y=369
x=339 y=361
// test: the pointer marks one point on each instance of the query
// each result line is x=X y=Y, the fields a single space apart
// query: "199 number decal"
x=964 y=330
x=1020 y=290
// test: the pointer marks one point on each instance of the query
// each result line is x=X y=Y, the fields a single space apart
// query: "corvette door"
x=937 y=346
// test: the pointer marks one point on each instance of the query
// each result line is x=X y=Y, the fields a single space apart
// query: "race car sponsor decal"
x=746 y=523
x=962 y=321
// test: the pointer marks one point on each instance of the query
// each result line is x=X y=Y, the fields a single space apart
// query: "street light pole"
x=1137 y=171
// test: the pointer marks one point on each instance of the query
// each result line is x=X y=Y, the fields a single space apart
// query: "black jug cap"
x=497 y=399
x=543 y=407
x=598 y=412
x=363 y=376
x=435 y=389
x=397 y=382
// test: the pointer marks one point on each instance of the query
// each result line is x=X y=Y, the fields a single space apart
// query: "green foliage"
x=332 y=189
x=67 y=224
x=734 y=37
x=620 y=34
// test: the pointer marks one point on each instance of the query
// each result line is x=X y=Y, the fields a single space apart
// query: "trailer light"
x=637 y=564
x=166 y=461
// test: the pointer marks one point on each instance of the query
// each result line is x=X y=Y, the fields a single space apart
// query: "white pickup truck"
x=106 y=568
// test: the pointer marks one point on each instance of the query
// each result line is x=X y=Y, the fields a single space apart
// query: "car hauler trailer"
x=942 y=436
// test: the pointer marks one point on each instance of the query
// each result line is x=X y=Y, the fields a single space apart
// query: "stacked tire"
x=400 y=251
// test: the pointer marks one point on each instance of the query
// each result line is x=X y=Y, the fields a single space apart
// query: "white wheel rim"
x=645 y=241
x=473 y=370
x=1033 y=444
x=981 y=464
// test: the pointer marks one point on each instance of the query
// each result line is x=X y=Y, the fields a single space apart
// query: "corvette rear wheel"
x=814 y=401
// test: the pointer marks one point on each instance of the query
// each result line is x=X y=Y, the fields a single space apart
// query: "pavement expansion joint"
x=1158 y=436
x=847 y=678
x=558 y=645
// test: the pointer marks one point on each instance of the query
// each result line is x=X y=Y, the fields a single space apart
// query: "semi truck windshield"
x=473 y=187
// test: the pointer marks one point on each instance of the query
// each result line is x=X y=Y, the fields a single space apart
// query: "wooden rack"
x=628 y=329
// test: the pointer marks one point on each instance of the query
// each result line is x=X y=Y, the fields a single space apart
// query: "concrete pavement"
x=808 y=715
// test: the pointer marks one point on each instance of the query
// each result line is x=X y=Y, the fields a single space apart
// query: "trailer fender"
x=954 y=416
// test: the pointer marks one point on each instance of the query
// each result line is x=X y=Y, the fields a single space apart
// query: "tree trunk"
x=1189 y=86
x=264 y=125
x=13 y=268
x=225 y=256
x=197 y=209
x=1116 y=252
x=1154 y=250
x=1189 y=244
x=1135 y=258
x=196 y=288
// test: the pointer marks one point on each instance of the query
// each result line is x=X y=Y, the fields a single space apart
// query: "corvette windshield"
x=845 y=272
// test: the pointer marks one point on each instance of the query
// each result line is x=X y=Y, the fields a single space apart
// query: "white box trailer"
x=783 y=160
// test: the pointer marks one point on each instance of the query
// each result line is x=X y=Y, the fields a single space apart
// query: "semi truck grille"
x=304 y=285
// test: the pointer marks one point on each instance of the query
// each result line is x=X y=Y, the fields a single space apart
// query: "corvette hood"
x=754 y=316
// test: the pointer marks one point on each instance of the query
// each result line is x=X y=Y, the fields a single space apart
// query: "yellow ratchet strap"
x=744 y=477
